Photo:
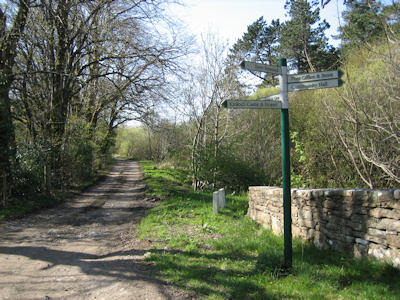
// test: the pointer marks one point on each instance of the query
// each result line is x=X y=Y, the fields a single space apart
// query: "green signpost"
x=287 y=83
x=285 y=142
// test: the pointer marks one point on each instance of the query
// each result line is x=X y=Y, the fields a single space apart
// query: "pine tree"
x=259 y=43
x=303 y=39
x=367 y=20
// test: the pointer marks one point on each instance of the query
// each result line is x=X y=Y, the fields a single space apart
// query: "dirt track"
x=85 y=248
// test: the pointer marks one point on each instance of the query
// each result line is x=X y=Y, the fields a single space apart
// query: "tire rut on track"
x=85 y=248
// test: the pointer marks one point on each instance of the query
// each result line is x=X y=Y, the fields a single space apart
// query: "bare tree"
x=366 y=119
x=212 y=85
x=10 y=33
x=86 y=61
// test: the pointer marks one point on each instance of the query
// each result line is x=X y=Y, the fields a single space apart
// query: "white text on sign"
x=304 y=77
x=252 y=104
x=313 y=85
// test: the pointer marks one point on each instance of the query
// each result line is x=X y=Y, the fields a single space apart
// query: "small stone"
x=303 y=193
x=384 y=213
x=319 y=244
x=376 y=239
x=333 y=193
x=361 y=241
x=348 y=193
x=358 y=234
x=276 y=226
x=376 y=232
x=396 y=262
x=306 y=214
x=307 y=223
x=310 y=234
x=376 y=251
x=388 y=224
x=330 y=204
x=391 y=232
x=360 y=250
x=380 y=196
x=360 y=194
x=357 y=226
x=393 y=240
x=317 y=193
x=349 y=239
x=295 y=231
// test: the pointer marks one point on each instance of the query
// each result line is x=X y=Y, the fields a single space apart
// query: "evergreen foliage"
x=259 y=43
x=303 y=39
x=363 y=22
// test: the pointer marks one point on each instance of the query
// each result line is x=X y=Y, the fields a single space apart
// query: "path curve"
x=84 y=248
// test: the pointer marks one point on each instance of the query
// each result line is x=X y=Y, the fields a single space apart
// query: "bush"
x=237 y=175
x=227 y=170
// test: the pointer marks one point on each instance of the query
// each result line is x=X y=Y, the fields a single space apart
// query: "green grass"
x=228 y=256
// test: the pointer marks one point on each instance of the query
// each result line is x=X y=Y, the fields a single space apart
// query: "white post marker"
x=215 y=201
x=221 y=196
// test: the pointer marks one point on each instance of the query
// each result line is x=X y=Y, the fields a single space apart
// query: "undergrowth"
x=27 y=203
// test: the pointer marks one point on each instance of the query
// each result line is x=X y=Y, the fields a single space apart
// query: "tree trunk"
x=8 y=42
x=216 y=143
x=7 y=142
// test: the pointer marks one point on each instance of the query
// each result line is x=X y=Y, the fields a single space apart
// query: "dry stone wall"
x=363 y=222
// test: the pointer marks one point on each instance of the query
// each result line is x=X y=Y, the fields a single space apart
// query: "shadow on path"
x=61 y=248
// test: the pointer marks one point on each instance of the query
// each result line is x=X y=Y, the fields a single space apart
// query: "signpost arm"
x=287 y=207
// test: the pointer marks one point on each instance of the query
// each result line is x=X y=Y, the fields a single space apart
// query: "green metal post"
x=287 y=206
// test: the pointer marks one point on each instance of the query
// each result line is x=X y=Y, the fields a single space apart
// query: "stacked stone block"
x=363 y=222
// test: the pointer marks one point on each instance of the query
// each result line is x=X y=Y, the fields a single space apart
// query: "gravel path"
x=85 y=248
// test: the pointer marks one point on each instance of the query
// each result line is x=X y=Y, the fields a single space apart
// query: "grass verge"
x=227 y=256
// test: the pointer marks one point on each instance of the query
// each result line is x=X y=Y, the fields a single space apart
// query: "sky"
x=230 y=18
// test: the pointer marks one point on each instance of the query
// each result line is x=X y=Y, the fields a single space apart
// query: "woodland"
x=74 y=73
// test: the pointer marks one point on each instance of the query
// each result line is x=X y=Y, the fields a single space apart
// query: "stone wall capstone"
x=363 y=222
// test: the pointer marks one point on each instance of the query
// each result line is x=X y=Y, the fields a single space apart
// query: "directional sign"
x=313 y=85
x=281 y=102
x=253 y=66
x=304 y=77
x=276 y=97
x=251 y=104
x=287 y=83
